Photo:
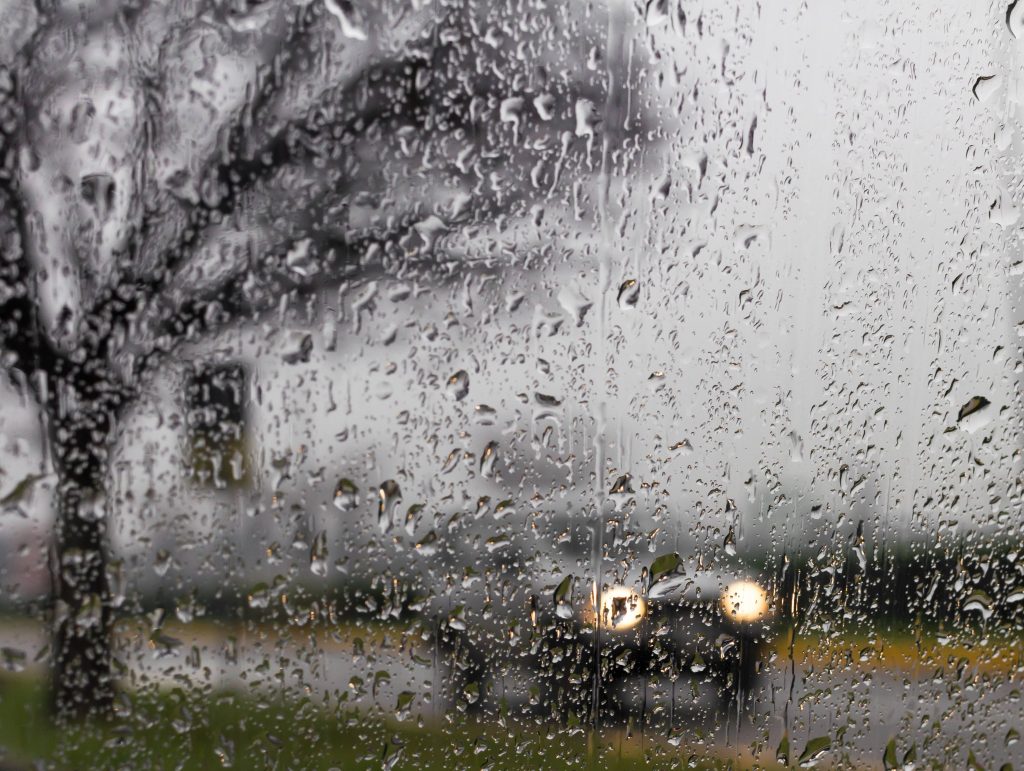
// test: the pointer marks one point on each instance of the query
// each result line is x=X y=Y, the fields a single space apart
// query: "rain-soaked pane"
x=492 y=384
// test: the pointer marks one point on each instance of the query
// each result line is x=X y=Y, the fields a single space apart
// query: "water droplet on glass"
x=403 y=705
x=730 y=542
x=299 y=259
x=813 y=751
x=298 y=348
x=621 y=490
x=318 y=555
x=979 y=601
x=782 y=751
x=546 y=400
x=451 y=461
x=563 y=597
x=544 y=104
x=629 y=293
x=343 y=11
x=587 y=118
x=163 y=562
x=975 y=414
x=488 y=459
x=986 y=86
x=1015 y=18
x=656 y=13
x=389 y=494
x=346 y=495
x=427 y=546
x=496 y=542
x=259 y=596
x=574 y=304
x=683 y=447
x=458 y=385
x=484 y=415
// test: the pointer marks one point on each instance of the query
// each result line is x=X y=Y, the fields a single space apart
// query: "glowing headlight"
x=745 y=602
x=621 y=608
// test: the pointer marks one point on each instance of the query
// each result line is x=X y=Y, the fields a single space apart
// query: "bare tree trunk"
x=82 y=678
x=80 y=414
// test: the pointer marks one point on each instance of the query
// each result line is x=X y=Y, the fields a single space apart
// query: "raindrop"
x=471 y=693
x=299 y=259
x=730 y=542
x=975 y=414
x=343 y=11
x=503 y=509
x=494 y=543
x=22 y=491
x=163 y=562
x=657 y=12
x=298 y=349
x=380 y=677
x=621 y=491
x=684 y=447
x=574 y=304
x=544 y=104
x=629 y=293
x=545 y=400
x=346 y=495
x=796 y=447
x=979 y=601
x=389 y=494
x=484 y=415
x=403 y=705
x=488 y=459
x=1015 y=18
x=889 y=760
x=663 y=565
x=225 y=752
x=563 y=598
x=259 y=596
x=986 y=86
x=427 y=546
x=318 y=555
x=782 y=751
x=587 y=118
x=814 y=750
x=458 y=385
x=511 y=111
x=669 y=585
x=451 y=461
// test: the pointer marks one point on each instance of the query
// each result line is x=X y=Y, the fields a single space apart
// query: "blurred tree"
x=173 y=168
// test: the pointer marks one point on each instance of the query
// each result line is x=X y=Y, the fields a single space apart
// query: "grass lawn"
x=177 y=729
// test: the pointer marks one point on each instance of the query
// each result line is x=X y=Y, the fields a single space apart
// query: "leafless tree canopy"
x=173 y=168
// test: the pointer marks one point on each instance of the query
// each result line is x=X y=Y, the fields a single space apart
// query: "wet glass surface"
x=510 y=384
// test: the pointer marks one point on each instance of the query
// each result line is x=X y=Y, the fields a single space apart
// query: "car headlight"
x=622 y=608
x=745 y=602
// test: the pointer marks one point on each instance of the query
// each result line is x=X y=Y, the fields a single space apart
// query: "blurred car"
x=559 y=650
